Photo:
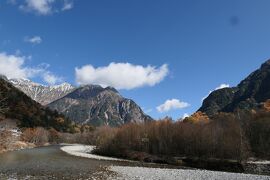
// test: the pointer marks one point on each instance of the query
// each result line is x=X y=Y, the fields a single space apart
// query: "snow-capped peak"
x=41 y=93
x=64 y=86
x=23 y=81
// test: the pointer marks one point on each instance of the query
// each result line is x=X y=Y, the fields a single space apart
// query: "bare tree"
x=38 y=136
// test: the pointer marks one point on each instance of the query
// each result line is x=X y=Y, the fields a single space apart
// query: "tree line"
x=237 y=136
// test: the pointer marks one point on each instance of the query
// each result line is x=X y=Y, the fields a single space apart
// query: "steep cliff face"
x=40 y=93
x=98 y=106
x=252 y=91
x=218 y=100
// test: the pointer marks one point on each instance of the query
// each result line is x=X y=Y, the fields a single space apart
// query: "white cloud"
x=172 y=104
x=33 y=40
x=42 y=7
x=51 y=79
x=221 y=86
x=13 y=66
x=45 y=7
x=121 y=75
x=185 y=115
x=67 y=5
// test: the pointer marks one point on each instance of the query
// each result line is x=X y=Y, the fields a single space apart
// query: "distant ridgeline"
x=41 y=93
x=28 y=113
x=89 y=104
x=251 y=93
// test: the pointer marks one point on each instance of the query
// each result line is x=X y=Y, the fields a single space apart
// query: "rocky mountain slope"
x=14 y=104
x=97 y=106
x=250 y=93
x=40 y=93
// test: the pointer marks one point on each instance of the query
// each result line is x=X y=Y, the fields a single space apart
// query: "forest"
x=238 y=136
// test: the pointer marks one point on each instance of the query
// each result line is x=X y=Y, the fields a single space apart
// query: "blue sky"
x=204 y=44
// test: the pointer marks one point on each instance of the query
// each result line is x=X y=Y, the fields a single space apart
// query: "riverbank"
x=18 y=145
x=11 y=137
x=251 y=167
x=255 y=166
x=142 y=173
x=85 y=151
x=150 y=173
x=52 y=162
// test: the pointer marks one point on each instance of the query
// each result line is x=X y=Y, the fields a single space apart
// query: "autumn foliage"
x=197 y=117
x=225 y=136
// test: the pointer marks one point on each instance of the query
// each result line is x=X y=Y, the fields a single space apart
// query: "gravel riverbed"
x=142 y=173
x=146 y=173
x=76 y=162
x=85 y=151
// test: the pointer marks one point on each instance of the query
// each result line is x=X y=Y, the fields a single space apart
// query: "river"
x=52 y=163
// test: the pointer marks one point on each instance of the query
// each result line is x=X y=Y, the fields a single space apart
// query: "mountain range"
x=248 y=94
x=18 y=106
x=95 y=105
x=40 y=93
x=89 y=104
